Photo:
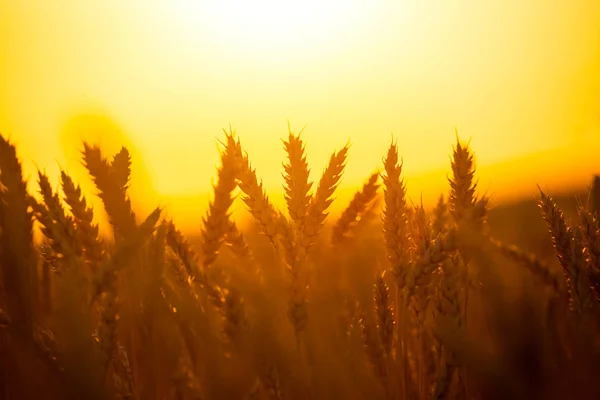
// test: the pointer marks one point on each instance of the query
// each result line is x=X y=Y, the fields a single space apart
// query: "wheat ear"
x=18 y=262
x=322 y=199
x=56 y=225
x=216 y=223
x=256 y=199
x=570 y=255
x=385 y=314
x=87 y=231
x=440 y=216
x=449 y=323
x=462 y=185
x=111 y=189
x=296 y=186
x=395 y=224
x=356 y=209
x=588 y=224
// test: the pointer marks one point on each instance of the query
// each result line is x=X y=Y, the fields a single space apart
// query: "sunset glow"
x=271 y=29
x=520 y=79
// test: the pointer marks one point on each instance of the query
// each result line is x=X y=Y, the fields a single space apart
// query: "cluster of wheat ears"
x=389 y=301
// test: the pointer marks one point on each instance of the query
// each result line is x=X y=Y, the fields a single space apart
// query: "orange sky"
x=521 y=79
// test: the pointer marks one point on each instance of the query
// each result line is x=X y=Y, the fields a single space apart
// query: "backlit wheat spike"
x=395 y=224
x=255 y=198
x=216 y=223
x=42 y=215
x=18 y=261
x=420 y=274
x=385 y=313
x=448 y=321
x=439 y=216
x=106 y=283
x=355 y=210
x=294 y=262
x=374 y=350
x=180 y=246
x=422 y=235
x=126 y=251
x=57 y=227
x=234 y=316
x=594 y=197
x=568 y=245
x=296 y=186
x=462 y=185
x=561 y=233
x=297 y=244
x=236 y=242
x=582 y=297
x=446 y=371
x=322 y=199
x=590 y=237
x=120 y=168
x=113 y=194
x=87 y=231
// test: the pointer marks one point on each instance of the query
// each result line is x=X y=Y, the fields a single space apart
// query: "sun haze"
x=520 y=79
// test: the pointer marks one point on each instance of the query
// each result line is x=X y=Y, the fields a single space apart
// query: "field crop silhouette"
x=388 y=301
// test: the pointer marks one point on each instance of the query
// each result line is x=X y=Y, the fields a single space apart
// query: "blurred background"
x=519 y=79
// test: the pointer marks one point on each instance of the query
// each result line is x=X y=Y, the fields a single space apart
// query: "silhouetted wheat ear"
x=385 y=313
x=255 y=198
x=56 y=225
x=355 y=210
x=590 y=240
x=395 y=223
x=462 y=185
x=235 y=321
x=216 y=222
x=237 y=243
x=374 y=350
x=296 y=186
x=109 y=180
x=322 y=199
x=421 y=273
x=18 y=259
x=448 y=322
x=87 y=231
x=568 y=245
x=440 y=216
x=177 y=242
x=594 y=197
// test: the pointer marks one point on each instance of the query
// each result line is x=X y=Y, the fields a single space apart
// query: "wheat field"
x=388 y=301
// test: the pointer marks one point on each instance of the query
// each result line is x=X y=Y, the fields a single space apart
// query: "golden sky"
x=520 y=79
